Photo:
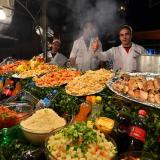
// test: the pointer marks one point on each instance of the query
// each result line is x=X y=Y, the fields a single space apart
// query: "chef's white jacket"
x=85 y=57
x=121 y=59
x=59 y=59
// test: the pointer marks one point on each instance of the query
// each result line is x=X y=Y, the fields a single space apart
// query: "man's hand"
x=95 y=44
x=73 y=62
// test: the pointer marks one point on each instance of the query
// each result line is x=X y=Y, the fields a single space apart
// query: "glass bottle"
x=137 y=132
x=122 y=139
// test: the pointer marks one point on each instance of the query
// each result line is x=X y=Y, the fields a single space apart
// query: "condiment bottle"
x=1 y=83
x=7 y=88
x=85 y=109
x=96 y=107
x=17 y=89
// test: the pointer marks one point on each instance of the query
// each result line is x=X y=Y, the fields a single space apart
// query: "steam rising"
x=103 y=12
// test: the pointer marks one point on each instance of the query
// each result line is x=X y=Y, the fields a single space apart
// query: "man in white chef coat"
x=124 y=55
x=81 y=56
x=54 y=56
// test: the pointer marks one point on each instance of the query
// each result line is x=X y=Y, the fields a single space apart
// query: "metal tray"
x=147 y=75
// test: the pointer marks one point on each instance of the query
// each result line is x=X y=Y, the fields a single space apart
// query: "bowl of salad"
x=77 y=141
x=136 y=155
x=12 y=114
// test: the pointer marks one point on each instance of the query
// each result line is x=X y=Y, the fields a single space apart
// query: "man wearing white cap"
x=124 y=55
x=54 y=57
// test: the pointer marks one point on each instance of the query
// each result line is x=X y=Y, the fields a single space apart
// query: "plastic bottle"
x=137 y=132
x=96 y=108
x=46 y=102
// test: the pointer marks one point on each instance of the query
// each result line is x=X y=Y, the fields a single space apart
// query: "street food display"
x=90 y=83
x=56 y=78
x=76 y=118
x=141 y=87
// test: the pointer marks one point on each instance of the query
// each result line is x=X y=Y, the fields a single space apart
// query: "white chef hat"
x=56 y=40
x=128 y=27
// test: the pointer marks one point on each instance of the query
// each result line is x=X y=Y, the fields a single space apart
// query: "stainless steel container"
x=148 y=63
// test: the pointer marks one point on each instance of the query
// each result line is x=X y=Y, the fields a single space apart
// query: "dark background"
x=65 y=18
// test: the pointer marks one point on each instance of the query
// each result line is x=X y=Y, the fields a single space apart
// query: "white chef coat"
x=59 y=59
x=121 y=59
x=85 y=59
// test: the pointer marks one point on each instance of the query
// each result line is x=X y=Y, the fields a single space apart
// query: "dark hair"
x=126 y=27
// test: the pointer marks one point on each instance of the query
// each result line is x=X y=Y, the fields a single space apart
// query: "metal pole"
x=35 y=21
x=44 y=26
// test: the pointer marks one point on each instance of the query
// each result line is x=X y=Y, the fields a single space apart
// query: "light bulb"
x=2 y=14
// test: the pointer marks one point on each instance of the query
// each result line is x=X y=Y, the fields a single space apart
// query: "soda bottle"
x=137 y=132
x=46 y=102
x=122 y=139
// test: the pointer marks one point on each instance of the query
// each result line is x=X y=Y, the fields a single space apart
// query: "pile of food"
x=80 y=142
x=139 y=87
x=89 y=83
x=9 y=117
x=43 y=121
x=8 y=68
x=39 y=70
x=56 y=78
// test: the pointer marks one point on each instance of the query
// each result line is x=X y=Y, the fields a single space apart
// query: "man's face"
x=89 y=30
x=125 y=36
x=55 y=47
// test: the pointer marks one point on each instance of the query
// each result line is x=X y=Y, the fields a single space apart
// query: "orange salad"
x=11 y=67
x=56 y=78
x=9 y=117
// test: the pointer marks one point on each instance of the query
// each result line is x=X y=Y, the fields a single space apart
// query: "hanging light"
x=2 y=14
x=122 y=8
x=39 y=30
